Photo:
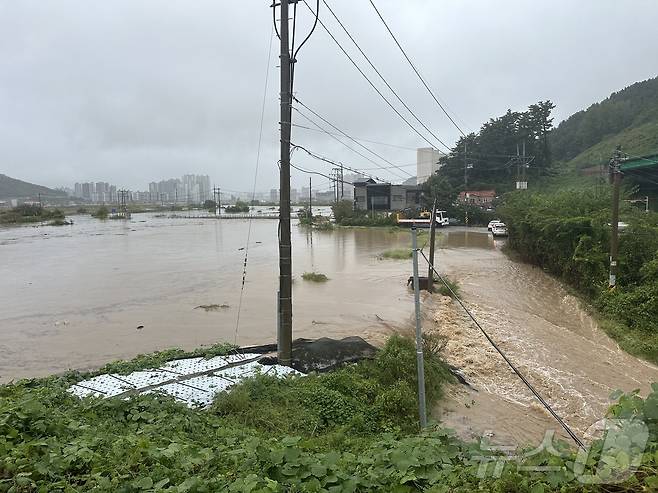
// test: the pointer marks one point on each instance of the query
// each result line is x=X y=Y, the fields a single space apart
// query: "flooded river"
x=74 y=296
x=82 y=295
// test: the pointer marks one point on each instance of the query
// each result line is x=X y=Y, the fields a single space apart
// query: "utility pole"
x=430 y=274
x=310 y=199
x=342 y=182
x=614 y=236
x=420 y=360
x=523 y=171
x=465 y=190
x=284 y=336
x=40 y=203
x=218 y=199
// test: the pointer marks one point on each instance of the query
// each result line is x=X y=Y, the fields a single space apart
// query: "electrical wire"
x=253 y=193
x=337 y=163
x=349 y=137
x=362 y=140
x=382 y=77
x=415 y=69
x=341 y=142
x=370 y=82
x=507 y=360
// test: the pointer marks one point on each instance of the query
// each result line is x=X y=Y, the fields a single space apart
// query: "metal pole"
x=310 y=199
x=342 y=183
x=420 y=360
x=284 y=342
x=614 y=237
x=430 y=273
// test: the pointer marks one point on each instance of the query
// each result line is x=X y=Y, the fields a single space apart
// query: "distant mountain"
x=11 y=188
x=628 y=118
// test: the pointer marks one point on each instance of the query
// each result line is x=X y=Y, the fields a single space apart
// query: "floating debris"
x=212 y=308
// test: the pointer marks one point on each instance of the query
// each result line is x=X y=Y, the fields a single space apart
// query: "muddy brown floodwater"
x=82 y=295
x=75 y=296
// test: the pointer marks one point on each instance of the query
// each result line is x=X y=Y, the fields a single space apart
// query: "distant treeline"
x=488 y=153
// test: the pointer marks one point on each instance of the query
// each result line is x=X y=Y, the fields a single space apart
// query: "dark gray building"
x=369 y=195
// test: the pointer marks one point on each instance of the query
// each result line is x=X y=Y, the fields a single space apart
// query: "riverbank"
x=354 y=429
x=567 y=233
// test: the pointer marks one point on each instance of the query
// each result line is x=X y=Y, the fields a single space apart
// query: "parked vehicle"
x=491 y=223
x=424 y=220
x=499 y=229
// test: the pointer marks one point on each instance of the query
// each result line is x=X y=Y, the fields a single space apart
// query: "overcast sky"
x=132 y=91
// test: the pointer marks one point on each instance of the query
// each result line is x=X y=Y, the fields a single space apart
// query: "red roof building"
x=480 y=198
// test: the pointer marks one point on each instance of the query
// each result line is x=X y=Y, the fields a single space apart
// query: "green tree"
x=342 y=210
x=438 y=187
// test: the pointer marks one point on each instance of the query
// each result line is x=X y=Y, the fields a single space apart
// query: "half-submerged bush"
x=398 y=254
x=314 y=277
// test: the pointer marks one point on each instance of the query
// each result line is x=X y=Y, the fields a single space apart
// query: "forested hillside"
x=487 y=159
x=628 y=117
x=13 y=188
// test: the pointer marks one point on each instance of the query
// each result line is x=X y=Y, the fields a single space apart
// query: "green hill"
x=628 y=118
x=11 y=188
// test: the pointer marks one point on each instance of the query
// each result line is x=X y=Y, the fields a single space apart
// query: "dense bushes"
x=30 y=214
x=568 y=233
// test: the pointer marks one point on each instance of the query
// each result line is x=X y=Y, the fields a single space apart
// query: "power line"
x=511 y=365
x=371 y=83
x=362 y=140
x=351 y=138
x=381 y=76
x=253 y=190
x=340 y=141
x=336 y=163
x=415 y=69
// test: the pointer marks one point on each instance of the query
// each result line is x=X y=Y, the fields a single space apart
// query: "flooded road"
x=544 y=331
x=74 y=297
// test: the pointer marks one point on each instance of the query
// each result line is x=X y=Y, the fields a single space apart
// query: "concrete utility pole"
x=310 y=199
x=342 y=182
x=430 y=274
x=614 y=235
x=217 y=197
x=465 y=189
x=284 y=336
x=420 y=359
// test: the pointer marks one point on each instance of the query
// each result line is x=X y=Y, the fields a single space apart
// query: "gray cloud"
x=130 y=91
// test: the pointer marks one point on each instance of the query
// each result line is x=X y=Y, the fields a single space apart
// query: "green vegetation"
x=443 y=289
x=31 y=214
x=239 y=207
x=568 y=234
x=346 y=215
x=628 y=117
x=351 y=430
x=489 y=150
x=314 y=277
x=398 y=254
x=101 y=213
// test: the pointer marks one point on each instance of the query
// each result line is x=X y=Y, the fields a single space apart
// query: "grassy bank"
x=26 y=214
x=568 y=233
x=352 y=430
